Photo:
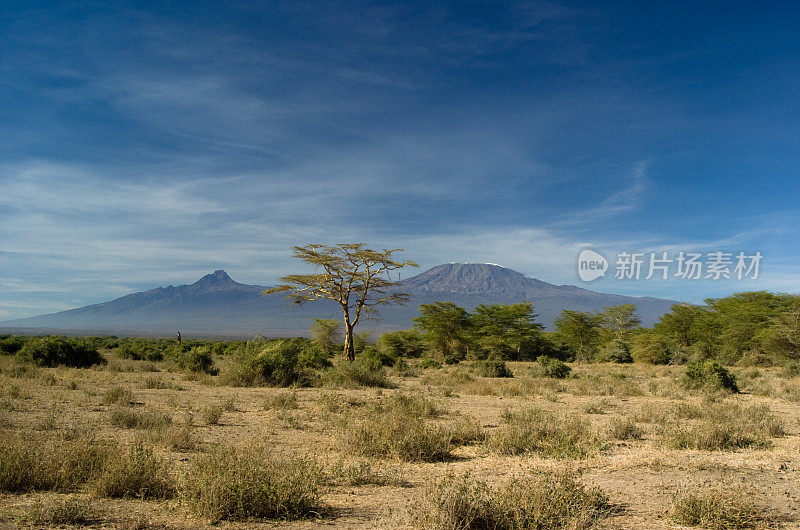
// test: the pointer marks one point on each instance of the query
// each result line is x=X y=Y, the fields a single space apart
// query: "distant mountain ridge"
x=216 y=305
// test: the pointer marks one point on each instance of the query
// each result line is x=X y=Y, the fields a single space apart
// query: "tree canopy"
x=356 y=277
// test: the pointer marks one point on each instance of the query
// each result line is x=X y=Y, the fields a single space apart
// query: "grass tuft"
x=252 y=483
x=546 y=433
x=718 y=510
x=140 y=474
x=72 y=511
x=532 y=502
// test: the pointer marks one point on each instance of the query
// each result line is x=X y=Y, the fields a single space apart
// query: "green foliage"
x=144 y=349
x=59 y=351
x=10 y=345
x=491 y=368
x=192 y=358
x=446 y=327
x=620 y=321
x=550 y=367
x=375 y=357
x=402 y=343
x=507 y=331
x=616 y=351
x=429 y=362
x=355 y=374
x=252 y=483
x=580 y=332
x=326 y=334
x=649 y=347
x=278 y=362
x=709 y=375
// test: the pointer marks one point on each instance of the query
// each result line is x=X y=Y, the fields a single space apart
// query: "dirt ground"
x=640 y=476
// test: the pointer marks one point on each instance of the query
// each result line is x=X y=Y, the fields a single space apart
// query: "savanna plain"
x=200 y=441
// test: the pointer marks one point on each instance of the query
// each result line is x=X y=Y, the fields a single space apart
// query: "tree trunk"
x=349 y=347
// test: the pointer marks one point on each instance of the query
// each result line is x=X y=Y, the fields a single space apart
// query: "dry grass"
x=719 y=509
x=252 y=483
x=55 y=512
x=140 y=474
x=546 y=433
x=721 y=427
x=127 y=418
x=531 y=502
x=56 y=439
x=49 y=464
x=211 y=414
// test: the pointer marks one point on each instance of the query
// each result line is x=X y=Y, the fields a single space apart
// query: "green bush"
x=252 y=483
x=616 y=351
x=346 y=374
x=59 y=351
x=402 y=343
x=143 y=350
x=550 y=367
x=545 y=501
x=279 y=362
x=429 y=362
x=709 y=375
x=491 y=368
x=375 y=358
x=196 y=359
x=10 y=345
x=790 y=369
x=650 y=348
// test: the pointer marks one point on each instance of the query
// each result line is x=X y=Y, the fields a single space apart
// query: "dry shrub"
x=362 y=473
x=211 y=414
x=546 y=433
x=723 y=427
x=46 y=464
x=282 y=401
x=252 y=483
x=118 y=396
x=140 y=474
x=397 y=427
x=139 y=419
x=719 y=509
x=532 y=502
x=624 y=429
x=72 y=511
x=181 y=438
x=355 y=374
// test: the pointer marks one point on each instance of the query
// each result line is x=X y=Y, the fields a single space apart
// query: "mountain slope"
x=218 y=305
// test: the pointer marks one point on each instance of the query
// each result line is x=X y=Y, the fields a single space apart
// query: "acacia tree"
x=355 y=277
x=620 y=320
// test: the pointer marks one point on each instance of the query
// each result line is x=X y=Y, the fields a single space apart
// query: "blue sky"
x=150 y=144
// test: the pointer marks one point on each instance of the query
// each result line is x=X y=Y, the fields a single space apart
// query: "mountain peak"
x=471 y=278
x=216 y=278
